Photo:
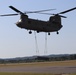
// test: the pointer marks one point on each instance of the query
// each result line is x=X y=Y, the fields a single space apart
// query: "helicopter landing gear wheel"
x=48 y=33
x=37 y=31
x=57 y=32
x=30 y=32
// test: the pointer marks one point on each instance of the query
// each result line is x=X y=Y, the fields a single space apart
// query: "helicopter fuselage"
x=38 y=25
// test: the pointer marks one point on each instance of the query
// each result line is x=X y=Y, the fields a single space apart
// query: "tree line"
x=39 y=59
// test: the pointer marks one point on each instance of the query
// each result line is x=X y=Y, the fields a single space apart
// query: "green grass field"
x=6 y=73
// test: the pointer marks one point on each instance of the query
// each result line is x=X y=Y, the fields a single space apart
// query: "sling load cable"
x=45 y=50
x=37 y=49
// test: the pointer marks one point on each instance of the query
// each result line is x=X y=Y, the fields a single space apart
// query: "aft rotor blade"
x=9 y=15
x=62 y=16
x=16 y=10
x=40 y=11
x=52 y=14
x=67 y=10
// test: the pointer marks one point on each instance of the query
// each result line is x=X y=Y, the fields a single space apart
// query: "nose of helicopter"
x=19 y=24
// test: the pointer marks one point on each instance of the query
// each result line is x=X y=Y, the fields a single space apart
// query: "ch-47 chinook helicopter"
x=53 y=25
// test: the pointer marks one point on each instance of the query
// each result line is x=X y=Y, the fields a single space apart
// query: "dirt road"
x=44 y=69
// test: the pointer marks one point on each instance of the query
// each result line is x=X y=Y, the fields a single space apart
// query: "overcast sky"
x=16 y=42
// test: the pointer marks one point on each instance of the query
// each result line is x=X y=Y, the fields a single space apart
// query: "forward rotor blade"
x=16 y=10
x=67 y=10
x=40 y=11
x=9 y=15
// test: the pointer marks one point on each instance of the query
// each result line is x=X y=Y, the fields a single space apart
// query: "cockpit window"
x=20 y=20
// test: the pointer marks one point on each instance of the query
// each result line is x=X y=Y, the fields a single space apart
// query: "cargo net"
x=36 y=43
